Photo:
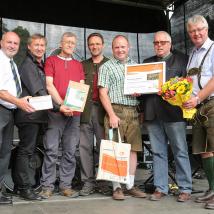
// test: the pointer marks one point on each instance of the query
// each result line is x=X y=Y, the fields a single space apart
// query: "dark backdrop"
x=87 y=13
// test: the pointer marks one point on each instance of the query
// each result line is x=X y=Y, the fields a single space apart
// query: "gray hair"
x=166 y=34
x=195 y=20
x=68 y=34
x=36 y=36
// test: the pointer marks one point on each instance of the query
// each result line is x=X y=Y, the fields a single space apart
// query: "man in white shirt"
x=201 y=68
x=10 y=89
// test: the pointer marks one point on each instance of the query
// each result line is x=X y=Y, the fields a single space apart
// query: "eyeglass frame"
x=155 y=43
x=199 y=30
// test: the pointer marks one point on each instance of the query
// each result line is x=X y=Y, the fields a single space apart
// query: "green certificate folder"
x=76 y=96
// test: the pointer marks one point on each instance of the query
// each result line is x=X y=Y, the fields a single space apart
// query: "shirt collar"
x=205 y=46
x=5 y=56
x=117 y=61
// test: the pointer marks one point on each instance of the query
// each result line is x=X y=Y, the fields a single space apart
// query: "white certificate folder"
x=41 y=102
x=146 y=78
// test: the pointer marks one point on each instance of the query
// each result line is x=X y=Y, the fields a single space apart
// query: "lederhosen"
x=203 y=121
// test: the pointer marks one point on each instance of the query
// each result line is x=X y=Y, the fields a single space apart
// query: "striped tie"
x=15 y=77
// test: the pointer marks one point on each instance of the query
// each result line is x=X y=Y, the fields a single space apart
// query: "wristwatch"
x=198 y=100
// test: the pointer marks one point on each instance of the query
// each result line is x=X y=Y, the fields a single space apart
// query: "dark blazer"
x=89 y=70
x=154 y=106
x=33 y=84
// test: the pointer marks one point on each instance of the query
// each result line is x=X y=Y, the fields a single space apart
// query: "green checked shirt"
x=111 y=76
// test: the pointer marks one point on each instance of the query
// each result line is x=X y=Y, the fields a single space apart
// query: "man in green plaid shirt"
x=121 y=109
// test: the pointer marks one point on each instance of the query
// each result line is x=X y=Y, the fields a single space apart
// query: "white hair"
x=195 y=20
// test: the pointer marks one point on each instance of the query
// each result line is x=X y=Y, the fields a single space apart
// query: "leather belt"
x=205 y=101
x=124 y=106
x=12 y=109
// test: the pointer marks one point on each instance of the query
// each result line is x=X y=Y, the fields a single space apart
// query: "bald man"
x=10 y=89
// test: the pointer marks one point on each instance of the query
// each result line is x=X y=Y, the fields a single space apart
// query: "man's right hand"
x=66 y=110
x=23 y=104
x=114 y=121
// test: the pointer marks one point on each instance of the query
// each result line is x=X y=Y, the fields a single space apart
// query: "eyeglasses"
x=69 y=42
x=196 y=30
x=160 y=42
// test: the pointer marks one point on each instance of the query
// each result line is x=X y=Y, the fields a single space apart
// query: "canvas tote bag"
x=114 y=160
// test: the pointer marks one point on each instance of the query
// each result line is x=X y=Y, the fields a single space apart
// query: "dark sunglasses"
x=160 y=42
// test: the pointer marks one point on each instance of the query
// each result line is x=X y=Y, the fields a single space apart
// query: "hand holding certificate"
x=41 y=102
x=145 y=78
x=76 y=96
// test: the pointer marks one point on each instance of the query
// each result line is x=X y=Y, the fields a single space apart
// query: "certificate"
x=76 y=96
x=145 y=78
x=41 y=102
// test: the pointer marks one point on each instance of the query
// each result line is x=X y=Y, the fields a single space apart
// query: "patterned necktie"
x=15 y=77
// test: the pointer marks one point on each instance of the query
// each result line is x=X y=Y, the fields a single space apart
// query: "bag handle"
x=110 y=134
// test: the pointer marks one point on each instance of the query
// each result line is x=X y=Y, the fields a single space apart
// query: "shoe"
x=87 y=190
x=118 y=194
x=210 y=204
x=6 y=195
x=29 y=194
x=136 y=192
x=46 y=193
x=156 y=196
x=69 y=193
x=5 y=201
x=183 y=197
x=105 y=190
x=206 y=197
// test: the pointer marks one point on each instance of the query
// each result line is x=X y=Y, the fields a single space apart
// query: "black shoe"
x=5 y=201
x=29 y=194
x=7 y=196
x=9 y=193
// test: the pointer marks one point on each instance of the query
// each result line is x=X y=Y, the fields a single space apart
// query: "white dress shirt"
x=7 y=82
x=208 y=66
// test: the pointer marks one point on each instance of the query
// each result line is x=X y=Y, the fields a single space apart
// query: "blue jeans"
x=160 y=133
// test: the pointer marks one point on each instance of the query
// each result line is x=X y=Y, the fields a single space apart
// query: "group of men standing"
x=106 y=107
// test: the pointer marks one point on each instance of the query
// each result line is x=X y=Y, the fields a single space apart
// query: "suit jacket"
x=33 y=84
x=89 y=70
x=154 y=106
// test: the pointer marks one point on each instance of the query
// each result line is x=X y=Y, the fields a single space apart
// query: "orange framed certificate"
x=145 y=78
x=76 y=96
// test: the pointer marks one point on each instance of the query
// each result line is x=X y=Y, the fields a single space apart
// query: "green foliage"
x=24 y=35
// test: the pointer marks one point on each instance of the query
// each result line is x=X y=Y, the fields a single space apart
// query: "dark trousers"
x=6 y=137
x=29 y=134
x=89 y=131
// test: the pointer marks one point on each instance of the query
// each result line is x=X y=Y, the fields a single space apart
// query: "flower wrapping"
x=176 y=91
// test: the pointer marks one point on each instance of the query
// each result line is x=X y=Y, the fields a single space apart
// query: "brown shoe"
x=135 y=192
x=183 y=197
x=118 y=194
x=210 y=204
x=156 y=196
x=206 y=197
x=46 y=193
x=69 y=193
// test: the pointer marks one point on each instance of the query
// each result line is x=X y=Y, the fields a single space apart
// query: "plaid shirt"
x=111 y=76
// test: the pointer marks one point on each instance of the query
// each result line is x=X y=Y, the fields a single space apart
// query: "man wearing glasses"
x=201 y=69
x=165 y=124
x=62 y=128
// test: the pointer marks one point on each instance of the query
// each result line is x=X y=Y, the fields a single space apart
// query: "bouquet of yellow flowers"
x=176 y=91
